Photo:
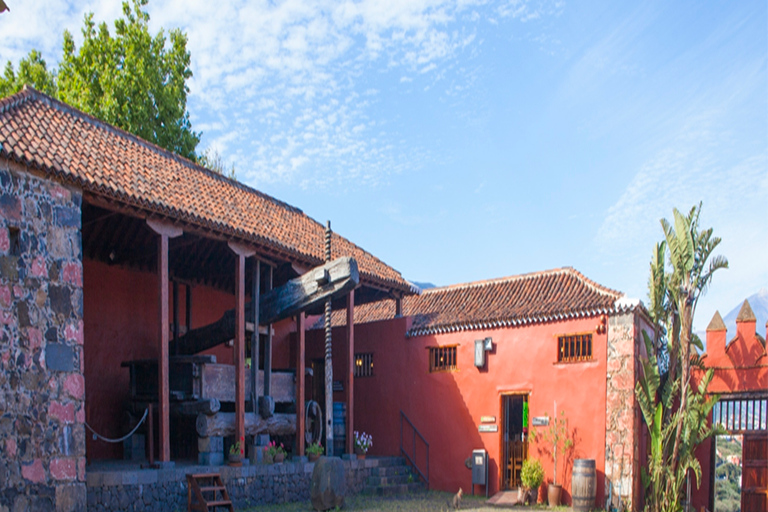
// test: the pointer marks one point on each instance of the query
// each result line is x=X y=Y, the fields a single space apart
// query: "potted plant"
x=314 y=451
x=531 y=475
x=235 y=457
x=274 y=453
x=363 y=443
x=556 y=435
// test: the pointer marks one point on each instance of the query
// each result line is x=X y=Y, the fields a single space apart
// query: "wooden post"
x=166 y=231
x=398 y=307
x=176 y=313
x=189 y=308
x=300 y=361
x=268 y=347
x=350 y=371
x=239 y=349
x=255 y=295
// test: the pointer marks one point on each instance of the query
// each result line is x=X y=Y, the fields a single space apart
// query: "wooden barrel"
x=584 y=485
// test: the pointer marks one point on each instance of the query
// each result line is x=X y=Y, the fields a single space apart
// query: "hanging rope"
x=121 y=439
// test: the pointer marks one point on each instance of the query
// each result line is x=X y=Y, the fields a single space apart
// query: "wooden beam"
x=240 y=349
x=223 y=424
x=300 y=364
x=164 y=228
x=350 y=371
x=330 y=280
x=339 y=277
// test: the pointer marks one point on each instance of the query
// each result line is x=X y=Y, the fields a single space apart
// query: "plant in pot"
x=555 y=435
x=531 y=476
x=274 y=453
x=236 y=454
x=314 y=451
x=363 y=443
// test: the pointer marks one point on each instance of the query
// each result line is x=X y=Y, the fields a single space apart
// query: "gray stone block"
x=210 y=459
x=59 y=357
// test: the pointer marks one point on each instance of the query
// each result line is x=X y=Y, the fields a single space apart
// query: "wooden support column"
x=300 y=365
x=166 y=232
x=242 y=252
x=255 y=299
x=176 y=314
x=189 y=308
x=268 y=346
x=350 y=371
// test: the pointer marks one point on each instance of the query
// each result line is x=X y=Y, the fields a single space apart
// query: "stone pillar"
x=622 y=429
x=42 y=389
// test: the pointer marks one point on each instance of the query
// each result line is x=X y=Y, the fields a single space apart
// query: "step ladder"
x=206 y=491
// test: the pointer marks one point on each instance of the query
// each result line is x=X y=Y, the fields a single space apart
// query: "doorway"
x=514 y=411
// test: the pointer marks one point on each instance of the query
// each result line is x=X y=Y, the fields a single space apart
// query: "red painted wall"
x=742 y=366
x=120 y=315
x=446 y=407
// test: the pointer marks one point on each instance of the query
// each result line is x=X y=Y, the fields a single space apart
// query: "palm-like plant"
x=675 y=412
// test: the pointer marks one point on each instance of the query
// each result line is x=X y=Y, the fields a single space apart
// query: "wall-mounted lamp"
x=481 y=347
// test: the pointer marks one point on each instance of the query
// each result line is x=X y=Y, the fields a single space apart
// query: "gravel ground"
x=432 y=501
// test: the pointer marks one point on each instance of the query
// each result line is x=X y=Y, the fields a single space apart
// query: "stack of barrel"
x=339 y=428
x=584 y=485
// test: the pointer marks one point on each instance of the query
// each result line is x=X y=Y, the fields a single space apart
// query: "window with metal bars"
x=364 y=364
x=442 y=359
x=737 y=415
x=574 y=347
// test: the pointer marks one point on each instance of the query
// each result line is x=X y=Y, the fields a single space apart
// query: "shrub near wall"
x=42 y=390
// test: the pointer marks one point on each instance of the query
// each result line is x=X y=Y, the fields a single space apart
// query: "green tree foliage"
x=676 y=412
x=33 y=71
x=131 y=80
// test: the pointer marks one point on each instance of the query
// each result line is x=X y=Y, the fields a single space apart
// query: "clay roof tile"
x=107 y=161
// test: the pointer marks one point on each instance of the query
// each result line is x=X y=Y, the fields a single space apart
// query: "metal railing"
x=411 y=457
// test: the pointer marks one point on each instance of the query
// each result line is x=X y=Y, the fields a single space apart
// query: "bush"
x=532 y=473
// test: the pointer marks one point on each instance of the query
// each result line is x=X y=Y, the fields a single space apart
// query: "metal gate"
x=747 y=414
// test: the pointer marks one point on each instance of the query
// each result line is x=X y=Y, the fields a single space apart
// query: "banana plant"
x=675 y=412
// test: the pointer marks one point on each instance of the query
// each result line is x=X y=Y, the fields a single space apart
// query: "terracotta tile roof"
x=40 y=132
x=509 y=301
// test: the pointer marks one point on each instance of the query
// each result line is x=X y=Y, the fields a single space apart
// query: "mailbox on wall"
x=480 y=470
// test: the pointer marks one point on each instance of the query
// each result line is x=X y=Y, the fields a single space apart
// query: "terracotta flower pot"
x=553 y=494
x=360 y=453
x=279 y=457
x=234 y=459
x=313 y=457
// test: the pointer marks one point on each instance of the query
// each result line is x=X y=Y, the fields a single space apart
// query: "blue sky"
x=461 y=141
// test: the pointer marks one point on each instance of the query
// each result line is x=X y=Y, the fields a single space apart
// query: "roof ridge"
x=29 y=93
x=518 y=277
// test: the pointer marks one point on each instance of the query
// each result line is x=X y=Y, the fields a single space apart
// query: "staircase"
x=392 y=477
x=206 y=491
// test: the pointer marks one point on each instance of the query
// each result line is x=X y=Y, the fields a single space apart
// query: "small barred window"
x=442 y=359
x=574 y=348
x=364 y=364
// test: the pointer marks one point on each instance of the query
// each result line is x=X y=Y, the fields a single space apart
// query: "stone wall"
x=42 y=390
x=621 y=433
x=260 y=484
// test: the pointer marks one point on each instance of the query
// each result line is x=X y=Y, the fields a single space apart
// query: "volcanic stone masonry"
x=620 y=434
x=42 y=390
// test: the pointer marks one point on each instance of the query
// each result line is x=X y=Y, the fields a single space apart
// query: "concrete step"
x=391 y=490
x=390 y=471
x=388 y=480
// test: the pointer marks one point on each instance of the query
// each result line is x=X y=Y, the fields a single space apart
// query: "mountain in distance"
x=423 y=286
x=759 y=304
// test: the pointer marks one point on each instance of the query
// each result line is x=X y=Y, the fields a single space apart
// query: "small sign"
x=487 y=419
x=541 y=421
x=488 y=428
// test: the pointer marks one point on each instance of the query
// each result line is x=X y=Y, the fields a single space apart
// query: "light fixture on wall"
x=481 y=347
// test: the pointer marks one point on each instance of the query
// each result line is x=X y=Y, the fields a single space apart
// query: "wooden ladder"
x=207 y=484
